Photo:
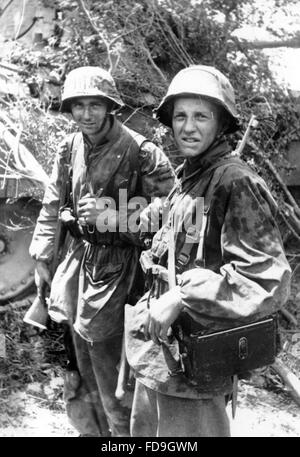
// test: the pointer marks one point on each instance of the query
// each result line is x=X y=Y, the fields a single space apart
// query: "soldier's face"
x=89 y=113
x=195 y=125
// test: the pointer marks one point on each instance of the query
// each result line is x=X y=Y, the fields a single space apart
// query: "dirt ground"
x=38 y=411
x=263 y=413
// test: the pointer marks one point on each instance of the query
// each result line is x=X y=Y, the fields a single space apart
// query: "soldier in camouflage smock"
x=233 y=272
x=98 y=273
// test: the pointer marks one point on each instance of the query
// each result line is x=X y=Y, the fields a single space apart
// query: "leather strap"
x=194 y=235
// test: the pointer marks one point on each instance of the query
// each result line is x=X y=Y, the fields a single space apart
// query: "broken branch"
x=289 y=379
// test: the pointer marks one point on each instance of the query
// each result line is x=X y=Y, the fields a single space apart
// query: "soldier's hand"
x=42 y=276
x=163 y=312
x=87 y=210
x=108 y=216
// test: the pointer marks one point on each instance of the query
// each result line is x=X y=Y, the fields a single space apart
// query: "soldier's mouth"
x=87 y=126
x=190 y=140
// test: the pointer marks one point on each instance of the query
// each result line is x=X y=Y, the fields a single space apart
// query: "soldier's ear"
x=224 y=120
x=168 y=113
x=111 y=107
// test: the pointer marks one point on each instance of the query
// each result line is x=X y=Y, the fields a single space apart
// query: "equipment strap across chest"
x=195 y=234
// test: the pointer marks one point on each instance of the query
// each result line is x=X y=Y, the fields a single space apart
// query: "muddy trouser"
x=93 y=409
x=158 y=415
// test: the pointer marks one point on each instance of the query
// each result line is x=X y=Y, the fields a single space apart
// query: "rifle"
x=37 y=314
x=252 y=123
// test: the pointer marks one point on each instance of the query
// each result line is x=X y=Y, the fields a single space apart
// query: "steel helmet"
x=89 y=82
x=200 y=80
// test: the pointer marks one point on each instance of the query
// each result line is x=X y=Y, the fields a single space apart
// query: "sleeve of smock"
x=255 y=277
x=42 y=244
x=157 y=172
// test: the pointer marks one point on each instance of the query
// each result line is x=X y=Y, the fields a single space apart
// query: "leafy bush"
x=145 y=43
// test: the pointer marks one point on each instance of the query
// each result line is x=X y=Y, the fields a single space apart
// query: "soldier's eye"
x=179 y=116
x=202 y=116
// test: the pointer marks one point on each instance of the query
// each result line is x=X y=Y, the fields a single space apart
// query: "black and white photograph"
x=149 y=221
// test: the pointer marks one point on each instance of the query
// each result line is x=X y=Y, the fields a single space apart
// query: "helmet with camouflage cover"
x=203 y=81
x=89 y=82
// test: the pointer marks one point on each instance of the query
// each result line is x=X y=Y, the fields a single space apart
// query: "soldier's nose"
x=189 y=125
x=86 y=113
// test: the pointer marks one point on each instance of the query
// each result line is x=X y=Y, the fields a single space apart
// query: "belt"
x=92 y=236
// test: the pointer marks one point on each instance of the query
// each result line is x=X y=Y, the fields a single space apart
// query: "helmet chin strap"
x=106 y=120
x=106 y=117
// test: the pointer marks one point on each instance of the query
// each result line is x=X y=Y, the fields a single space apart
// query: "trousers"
x=157 y=415
x=93 y=408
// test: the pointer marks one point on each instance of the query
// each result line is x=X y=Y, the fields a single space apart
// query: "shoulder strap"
x=72 y=142
x=224 y=164
x=207 y=201
x=193 y=235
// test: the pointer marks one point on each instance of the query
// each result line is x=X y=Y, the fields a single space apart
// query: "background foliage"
x=144 y=44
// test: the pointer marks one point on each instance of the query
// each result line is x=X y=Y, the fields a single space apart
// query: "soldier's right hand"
x=42 y=276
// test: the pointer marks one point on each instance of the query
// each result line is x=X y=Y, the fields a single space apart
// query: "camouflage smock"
x=243 y=275
x=90 y=286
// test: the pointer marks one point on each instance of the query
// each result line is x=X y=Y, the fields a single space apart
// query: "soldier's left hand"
x=163 y=312
x=87 y=210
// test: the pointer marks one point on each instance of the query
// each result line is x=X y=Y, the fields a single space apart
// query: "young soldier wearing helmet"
x=226 y=269
x=98 y=273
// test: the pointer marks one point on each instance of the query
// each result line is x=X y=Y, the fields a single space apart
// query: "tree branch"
x=21 y=34
x=170 y=36
x=289 y=378
x=289 y=316
x=5 y=7
x=289 y=226
x=114 y=40
x=276 y=175
x=147 y=51
x=97 y=31
x=264 y=44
